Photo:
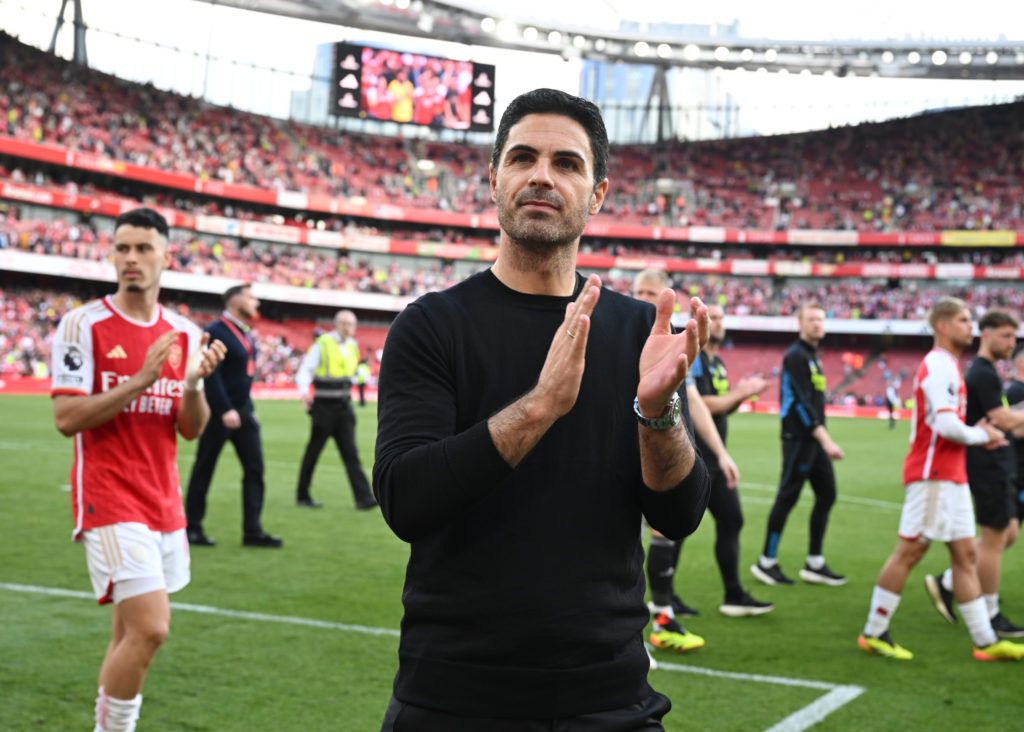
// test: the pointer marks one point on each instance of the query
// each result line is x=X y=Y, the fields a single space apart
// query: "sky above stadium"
x=794 y=19
x=247 y=43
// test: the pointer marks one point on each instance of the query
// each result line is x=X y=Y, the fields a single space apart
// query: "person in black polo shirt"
x=711 y=379
x=232 y=418
x=991 y=473
x=807 y=454
x=330 y=365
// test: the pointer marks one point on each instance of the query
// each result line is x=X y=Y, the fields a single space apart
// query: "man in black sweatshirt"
x=807 y=454
x=510 y=457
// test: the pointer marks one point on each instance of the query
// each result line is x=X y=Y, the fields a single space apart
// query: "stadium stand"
x=868 y=206
x=955 y=170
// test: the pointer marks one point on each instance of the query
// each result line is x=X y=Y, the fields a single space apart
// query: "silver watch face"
x=677 y=409
x=664 y=422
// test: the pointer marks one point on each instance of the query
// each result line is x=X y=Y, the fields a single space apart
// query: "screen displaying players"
x=412 y=88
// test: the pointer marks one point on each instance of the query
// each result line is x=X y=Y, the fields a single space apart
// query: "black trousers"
x=246 y=440
x=334 y=418
x=724 y=507
x=644 y=716
x=802 y=460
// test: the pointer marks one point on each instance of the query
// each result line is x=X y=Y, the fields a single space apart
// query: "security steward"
x=329 y=366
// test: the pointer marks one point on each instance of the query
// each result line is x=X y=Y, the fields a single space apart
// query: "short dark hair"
x=1017 y=350
x=144 y=218
x=234 y=290
x=552 y=101
x=997 y=319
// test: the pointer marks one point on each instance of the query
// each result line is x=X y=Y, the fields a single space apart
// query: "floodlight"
x=507 y=30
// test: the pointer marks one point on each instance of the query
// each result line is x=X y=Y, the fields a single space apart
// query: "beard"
x=133 y=288
x=715 y=340
x=541 y=233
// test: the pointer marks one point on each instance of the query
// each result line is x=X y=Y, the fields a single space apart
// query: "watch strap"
x=666 y=421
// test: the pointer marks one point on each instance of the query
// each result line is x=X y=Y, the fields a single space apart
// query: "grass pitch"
x=306 y=638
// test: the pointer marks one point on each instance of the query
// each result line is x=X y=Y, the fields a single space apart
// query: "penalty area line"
x=802 y=719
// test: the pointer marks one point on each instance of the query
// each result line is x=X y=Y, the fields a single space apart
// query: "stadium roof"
x=702 y=46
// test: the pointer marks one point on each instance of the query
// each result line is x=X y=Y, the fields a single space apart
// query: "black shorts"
x=995 y=502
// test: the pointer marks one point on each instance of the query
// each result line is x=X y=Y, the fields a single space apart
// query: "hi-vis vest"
x=362 y=373
x=338 y=363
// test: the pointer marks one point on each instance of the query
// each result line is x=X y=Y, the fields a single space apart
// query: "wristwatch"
x=668 y=420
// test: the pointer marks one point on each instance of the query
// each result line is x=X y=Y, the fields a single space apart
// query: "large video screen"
x=398 y=86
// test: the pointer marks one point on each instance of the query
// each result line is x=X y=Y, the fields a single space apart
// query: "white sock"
x=992 y=603
x=815 y=561
x=767 y=562
x=116 y=715
x=883 y=605
x=658 y=609
x=978 y=623
x=946 y=580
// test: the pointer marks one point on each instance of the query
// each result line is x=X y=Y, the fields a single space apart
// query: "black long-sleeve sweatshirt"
x=801 y=392
x=524 y=589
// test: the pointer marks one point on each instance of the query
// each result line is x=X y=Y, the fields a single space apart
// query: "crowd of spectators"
x=283 y=264
x=959 y=169
x=849 y=299
x=339 y=270
x=29 y=318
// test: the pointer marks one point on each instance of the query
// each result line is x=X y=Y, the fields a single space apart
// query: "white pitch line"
x=780 y=680
x=802 y=719
x=842 y=498
x=311 y=622
x=817 y=710
x=242 y=614
x=837 y=696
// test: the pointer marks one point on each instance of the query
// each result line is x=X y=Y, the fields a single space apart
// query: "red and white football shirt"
x=938 y=387
x=124 y=470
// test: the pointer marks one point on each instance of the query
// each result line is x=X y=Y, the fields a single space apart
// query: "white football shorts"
x=130 y=559
x=937 y=510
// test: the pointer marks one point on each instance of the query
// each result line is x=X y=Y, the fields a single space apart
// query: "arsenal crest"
x=174 y=357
